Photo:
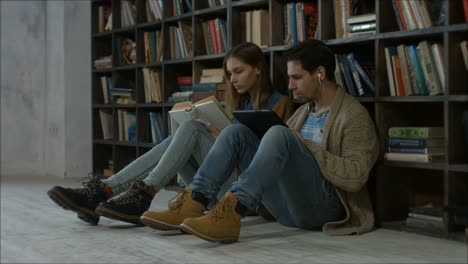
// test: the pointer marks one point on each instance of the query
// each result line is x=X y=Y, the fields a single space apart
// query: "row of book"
x=180 y=40
x=300 y=20
x=127 y=13
x=127 y=126
x=104 y=18
x=214 y=3
x=415 y=144
x=415 y=14
x=153 y=46
x=256 y=27
x=415 y=69
x=155 y=123
x=154 y=10
x=214 y=35
x=180 y=7
x=359 y=80
x=152 y=80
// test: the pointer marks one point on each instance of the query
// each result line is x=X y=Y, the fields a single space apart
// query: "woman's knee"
x=235 y=129
x=191 y=125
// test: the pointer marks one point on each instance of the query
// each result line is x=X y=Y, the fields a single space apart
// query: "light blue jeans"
x=181 y=154
x=279 y=171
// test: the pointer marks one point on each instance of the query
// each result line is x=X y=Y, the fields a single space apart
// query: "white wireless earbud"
x=319 y=77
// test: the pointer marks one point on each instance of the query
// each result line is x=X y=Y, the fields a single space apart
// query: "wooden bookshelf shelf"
x=393 y=182
x=419 y=165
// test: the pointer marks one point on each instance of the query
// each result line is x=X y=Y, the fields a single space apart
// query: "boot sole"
x=189 y=230
x=158 y=224
x=83 y=213
x=106 y=212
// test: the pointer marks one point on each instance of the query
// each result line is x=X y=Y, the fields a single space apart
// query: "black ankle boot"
x=129 y=206
x=83 y=201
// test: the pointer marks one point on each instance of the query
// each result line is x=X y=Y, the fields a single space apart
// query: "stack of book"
x=184 y=84
x=211 y=83
x=416 y=144
x=103 y=62
x=362 y=24
x=427 y=216
x=123 y=95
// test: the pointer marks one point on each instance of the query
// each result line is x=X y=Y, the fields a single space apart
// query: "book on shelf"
x=152 y=84
x=208 y=110
x=429 y=68
x=464 y=51
x=418 y=72
x=428 y=224
x=104 y=12
x=154 y=10
x=405 y=70
x=430 y=151
x=427 y=217
x=155 y=123
x=465 y=9
x=412 y=157
x=106 y=124
x=416 y=132
x=127 y=13
x=415 y=142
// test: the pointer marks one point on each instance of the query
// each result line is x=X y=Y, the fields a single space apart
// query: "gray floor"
x=34 y=230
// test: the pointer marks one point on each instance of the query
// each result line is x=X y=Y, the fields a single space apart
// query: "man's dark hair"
x=313 y=53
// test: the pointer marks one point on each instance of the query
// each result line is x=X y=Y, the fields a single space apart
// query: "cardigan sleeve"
x=349 y=170
x=284 y=108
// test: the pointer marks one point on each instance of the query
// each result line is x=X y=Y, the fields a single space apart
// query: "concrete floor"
x=35 y=230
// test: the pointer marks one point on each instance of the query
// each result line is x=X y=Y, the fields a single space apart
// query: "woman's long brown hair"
x=250 y=54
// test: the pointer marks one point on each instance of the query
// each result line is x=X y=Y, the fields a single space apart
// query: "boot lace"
x=177 y=202
x=220 y=210
x=132 y=196
x=92 y=186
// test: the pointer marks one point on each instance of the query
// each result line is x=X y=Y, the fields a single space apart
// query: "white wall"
x=45 y=88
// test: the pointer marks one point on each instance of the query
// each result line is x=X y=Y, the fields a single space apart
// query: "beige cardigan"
x=348 y=152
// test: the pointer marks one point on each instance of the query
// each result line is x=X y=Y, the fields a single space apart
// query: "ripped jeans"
x=279 y=171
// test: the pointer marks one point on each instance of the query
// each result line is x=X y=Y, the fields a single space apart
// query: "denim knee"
x=191 y=125
x=234 y=131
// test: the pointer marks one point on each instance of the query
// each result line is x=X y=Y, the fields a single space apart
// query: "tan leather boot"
x=221 y=224
x=182 y=206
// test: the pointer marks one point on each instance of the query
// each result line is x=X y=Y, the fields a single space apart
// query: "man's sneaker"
x=129 y=206
x=221 y=224
x=182 y=206
x=83 y=201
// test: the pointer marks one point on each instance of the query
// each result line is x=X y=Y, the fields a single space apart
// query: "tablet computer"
x=259 y=121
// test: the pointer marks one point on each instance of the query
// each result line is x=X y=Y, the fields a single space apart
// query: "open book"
x=207 y=111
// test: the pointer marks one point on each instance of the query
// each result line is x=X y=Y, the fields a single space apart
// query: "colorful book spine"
x=414 y=142
x=431 y=151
